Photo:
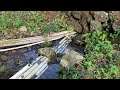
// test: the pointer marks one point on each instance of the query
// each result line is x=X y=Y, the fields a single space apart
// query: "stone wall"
x=86 y=21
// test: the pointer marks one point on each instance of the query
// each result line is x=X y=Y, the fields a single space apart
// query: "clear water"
x=26 y=55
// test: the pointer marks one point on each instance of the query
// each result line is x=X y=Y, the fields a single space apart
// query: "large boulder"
x=114 y=15
x=76 y=14
x=86 y=16
x=116 y=25
x=101 y=16
x=76 y=25
x=71 y=58
x=94 y=24
x=115 y=18
x=49 y=53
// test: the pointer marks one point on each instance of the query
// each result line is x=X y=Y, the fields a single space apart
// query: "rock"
x=32 y=33
x=71 y=58
x=77 y=27
x=78 y=39
x=46 y=44
x=115 y=18
x=49 y=53
x=92 y=13
x=85 y=27
x=116 y=25
x=114 y=15
x=86 y=16
x=69 y=13
x=101 y=16
x=76 y=14
x=94 y=24
x=23 y=29
x=3 y=58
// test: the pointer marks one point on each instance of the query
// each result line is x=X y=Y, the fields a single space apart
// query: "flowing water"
x=17 y=59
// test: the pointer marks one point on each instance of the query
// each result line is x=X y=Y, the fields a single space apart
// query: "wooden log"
x=36 y=39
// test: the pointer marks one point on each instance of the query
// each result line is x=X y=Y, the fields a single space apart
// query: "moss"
x=3 y=58
x=46 y=44
x=3 y=69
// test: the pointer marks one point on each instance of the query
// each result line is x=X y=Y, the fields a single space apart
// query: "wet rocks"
x=71 y=58
x=49 y=53
x=94 y=24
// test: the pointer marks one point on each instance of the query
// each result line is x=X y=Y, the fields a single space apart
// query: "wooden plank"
x=29 y=40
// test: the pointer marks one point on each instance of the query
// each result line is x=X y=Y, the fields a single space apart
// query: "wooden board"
x=30 y=40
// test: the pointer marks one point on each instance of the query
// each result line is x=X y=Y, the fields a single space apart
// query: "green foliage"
x=70 y=73
x=50 y=27
x=97 y=46
x=115 y=34
x=97 y=42
x=18 y=23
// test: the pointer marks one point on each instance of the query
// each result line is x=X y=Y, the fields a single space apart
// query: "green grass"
x=34 y=21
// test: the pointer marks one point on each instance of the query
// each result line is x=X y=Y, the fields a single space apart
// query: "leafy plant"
x=97 y=46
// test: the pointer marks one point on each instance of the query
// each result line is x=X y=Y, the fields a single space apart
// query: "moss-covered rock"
x=3 y=58
x=71 y=58
x=46 y=44
x=49 y=53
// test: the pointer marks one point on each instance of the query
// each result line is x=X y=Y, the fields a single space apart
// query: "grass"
x=36 y=21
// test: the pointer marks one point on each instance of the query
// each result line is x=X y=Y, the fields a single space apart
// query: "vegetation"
x=35 y=22
x=101 y=61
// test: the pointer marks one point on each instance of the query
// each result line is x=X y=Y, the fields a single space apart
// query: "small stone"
x=23 y=29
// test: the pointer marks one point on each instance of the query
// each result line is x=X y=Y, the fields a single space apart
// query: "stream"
x=17 y=59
